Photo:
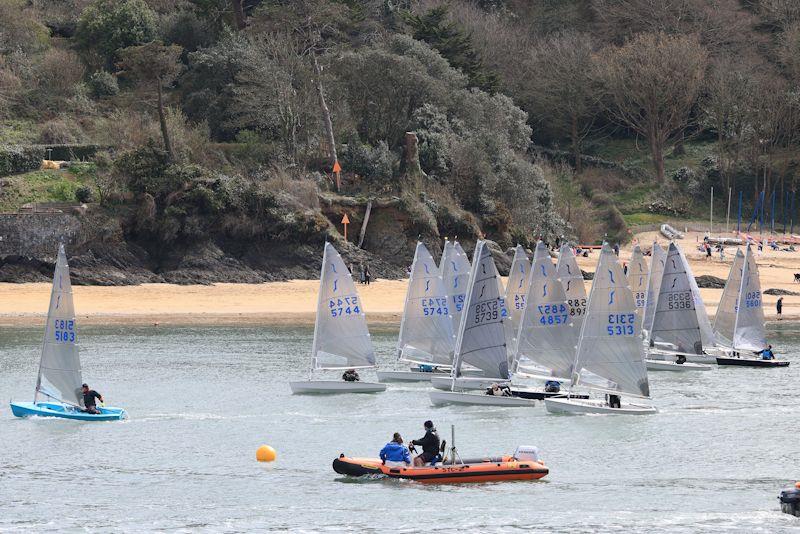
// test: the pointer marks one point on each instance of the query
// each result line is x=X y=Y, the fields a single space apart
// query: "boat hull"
x=445 y=383
x=327 y=387
x=65 y=411
x=592 y=406
x=440 y=398
x=752 y=362
x=496 y=470
x=664 y=365
x=406 y=376
x=540 y=394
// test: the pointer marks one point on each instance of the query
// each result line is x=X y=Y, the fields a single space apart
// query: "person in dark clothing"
x=350 y=376
x=367 y=275
x=779 y=307
x=552 y=386
x=89 y=396
x=767 y=353
x=429 y=443
x=613 y=401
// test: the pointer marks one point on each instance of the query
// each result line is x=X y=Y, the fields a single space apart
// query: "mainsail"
x=426 y=330
x=481 y=338
x=725 y=319
x=659 y=255
x=60 y=367
x=706 y=333
x=675 y=325
x=341 y=338
x=637 y=279
x=547 y=335
x=749 y=332
x=516 y=290
x=455 y=273
x=610 y=355
x=572 y=280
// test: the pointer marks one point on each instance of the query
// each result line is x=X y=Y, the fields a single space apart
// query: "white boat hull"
x=666 y=365
x=406 y=376
x=594 y=406
x=440 y=398
x=334 y=386
x=445 y=383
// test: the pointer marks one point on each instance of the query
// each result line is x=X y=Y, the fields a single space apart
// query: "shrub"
x=63 y=191
x=83 y=194
x=108 y=25
x=376 y=164
x=143 y=169
x=58 y=132
x=103 y=83
x=16 y=159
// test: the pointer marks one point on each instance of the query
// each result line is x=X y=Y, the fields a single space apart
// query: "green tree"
x=156 y=64
x=109 y=25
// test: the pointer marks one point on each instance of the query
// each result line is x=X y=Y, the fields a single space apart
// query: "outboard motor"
x=790 y=501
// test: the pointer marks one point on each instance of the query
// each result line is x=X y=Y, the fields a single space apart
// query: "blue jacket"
x=395 y=452
x=767 y=354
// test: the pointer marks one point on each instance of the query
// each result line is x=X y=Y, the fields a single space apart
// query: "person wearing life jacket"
x=395 y=452
x=552 y=386
x=767 y=353
x=499 y=391
x=350 y=376
x=429 y=443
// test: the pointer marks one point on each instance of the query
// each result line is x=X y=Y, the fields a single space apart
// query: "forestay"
x=610 y=354
x=547 y=335
x=572 y=279
x=725 y=319
x=637 y=278
x=481 y=337
x=658 y=256
x=341 y=338
x=675 y=322
x=60 y=367
x=749 y=332
x=516 y=290
x=455 y=273
x=426 y=331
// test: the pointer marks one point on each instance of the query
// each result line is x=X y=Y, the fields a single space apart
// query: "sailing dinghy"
x=659 y=256
x=426 y=329
x=481 y=340
x=739 y=324
x=59 y=381
x=341 y=338
x=638 y=276
x=610 y=355
x=516 y=291
x=675 y=334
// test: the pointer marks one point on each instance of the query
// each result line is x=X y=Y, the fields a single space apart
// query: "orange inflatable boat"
x=496 y=469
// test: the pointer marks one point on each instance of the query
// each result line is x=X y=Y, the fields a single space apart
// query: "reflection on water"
x=202 y=399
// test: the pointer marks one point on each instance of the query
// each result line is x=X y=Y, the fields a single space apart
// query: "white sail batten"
x=341 y=337
x=60 y=367
x=638 y=274
x=675 y=324
x=658 y=256
x=481 y=340
x=455 y=271
x=572 y=279
x=426 y=329
x=749 y=333
x=725 y=319
x=547 y=335
x=610 y=356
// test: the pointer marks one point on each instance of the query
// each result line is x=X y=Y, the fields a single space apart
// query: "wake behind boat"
x=59 y=378
x=341 y=338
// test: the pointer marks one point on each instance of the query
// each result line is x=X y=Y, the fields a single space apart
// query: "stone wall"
x=36 y=235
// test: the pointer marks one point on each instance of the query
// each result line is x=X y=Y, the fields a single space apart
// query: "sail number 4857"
x=620 y=324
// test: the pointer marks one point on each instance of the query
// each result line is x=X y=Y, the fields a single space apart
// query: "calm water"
x=201 y=400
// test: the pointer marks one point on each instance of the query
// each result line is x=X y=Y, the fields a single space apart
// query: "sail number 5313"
x=620 y=324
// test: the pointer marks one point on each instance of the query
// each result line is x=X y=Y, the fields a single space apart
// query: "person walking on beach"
x=367 y=274
x=779 y=307
x=361 y=273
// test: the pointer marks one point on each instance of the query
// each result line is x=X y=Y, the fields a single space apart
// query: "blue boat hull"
x=65 y=411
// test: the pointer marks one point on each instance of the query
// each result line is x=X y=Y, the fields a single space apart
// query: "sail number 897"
x=344 y=306
x=620 y=324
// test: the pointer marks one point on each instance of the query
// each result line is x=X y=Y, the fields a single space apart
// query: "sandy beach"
x=294 y=302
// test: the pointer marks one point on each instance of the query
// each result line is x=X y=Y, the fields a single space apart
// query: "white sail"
x=341 y=338
x=446 y=251
x=426 y=330
x=455 y=273
x=706 y=333
x=572 y=280
x=60 y=367
x=675 y=325
x=515 y=292
x=725 y=319
x=638 y=274
x=610 y=355
x=547 y=336
x=481 y=338
x=658 y=255
x=749 y=332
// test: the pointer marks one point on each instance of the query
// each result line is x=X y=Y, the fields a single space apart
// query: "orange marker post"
x=337 y=170
x=345 y=222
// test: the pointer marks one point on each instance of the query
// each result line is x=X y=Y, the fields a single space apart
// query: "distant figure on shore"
x=367 y=274
x=625 y=268
x=361 y=274
x=779 y=307
x=708 y=251
x=616 y=249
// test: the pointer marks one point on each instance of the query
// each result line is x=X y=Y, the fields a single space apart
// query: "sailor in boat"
x=350 y=376
x=429 y=443
x=681 y=359
x=395 y=453
x=499 y=391
x=552 y=386
x=89 y=396
x=613 y=401
x=767 y=353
